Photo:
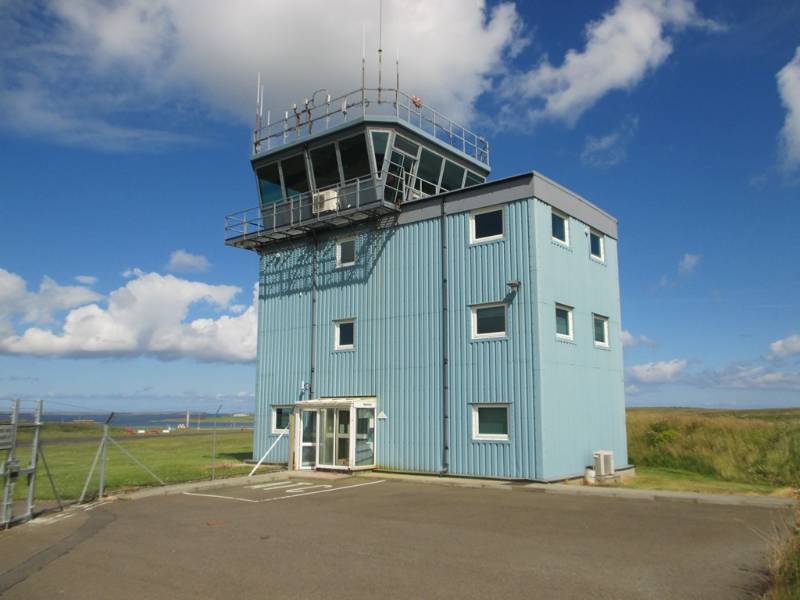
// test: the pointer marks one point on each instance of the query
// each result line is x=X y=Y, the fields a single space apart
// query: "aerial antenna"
x=258 y=101
x=380 y=46
x=363 y=56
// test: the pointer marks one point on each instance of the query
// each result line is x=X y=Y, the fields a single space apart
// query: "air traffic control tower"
x=415 y=317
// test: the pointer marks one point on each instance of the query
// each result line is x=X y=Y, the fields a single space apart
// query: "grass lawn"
x=176 y=457
x=677 y=480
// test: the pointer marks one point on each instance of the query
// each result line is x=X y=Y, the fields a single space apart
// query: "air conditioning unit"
x=603 y=462
x=326 y=200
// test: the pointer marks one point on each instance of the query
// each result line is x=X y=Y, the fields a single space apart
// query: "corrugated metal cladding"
x=565 y=401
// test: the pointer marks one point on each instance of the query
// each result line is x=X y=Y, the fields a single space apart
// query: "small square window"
x=560 y=227
x=345 y=335
x=563 y=321
x=486 y=225
x=345 y=252
x=488 y=321
x=490 y=422
x=600 y=330
x=280 y=418
x=597 y=245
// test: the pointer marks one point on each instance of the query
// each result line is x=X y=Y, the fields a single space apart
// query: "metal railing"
x=309 y=119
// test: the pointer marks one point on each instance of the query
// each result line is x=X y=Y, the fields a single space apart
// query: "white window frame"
x=339 y=242
x=602 y=238
x=488 y=336
x=336 y=329
x=490 y=437
x=595 y=317
x=492 y=238
x=274 y=427
x=564 y=216
x=570 y=323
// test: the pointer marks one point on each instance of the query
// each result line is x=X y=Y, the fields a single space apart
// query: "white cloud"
x=610 y=149
x=621 y=48
x=16 y=301
x=785 y=347
x=629 y=340
x=746 y=377
x=789 y=89
x=182 y=261
x=688 y=263
x=95 y=60
x=657 y=372
x=86 y=279
x=148 y=317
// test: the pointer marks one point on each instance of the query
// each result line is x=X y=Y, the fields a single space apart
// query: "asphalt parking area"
x=391 y=539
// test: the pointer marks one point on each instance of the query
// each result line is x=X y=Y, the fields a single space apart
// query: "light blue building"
x=413 y=316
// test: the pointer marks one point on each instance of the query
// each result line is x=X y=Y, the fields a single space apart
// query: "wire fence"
x=90 y=453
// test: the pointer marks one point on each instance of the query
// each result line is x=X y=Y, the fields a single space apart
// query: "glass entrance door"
x=308 y=439
x=334 y=431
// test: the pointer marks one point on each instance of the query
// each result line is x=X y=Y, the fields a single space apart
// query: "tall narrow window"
x=345 y=252
x=597 y=245
x=486 y=225
x=326 y=167
x=490 y=422
x=294 y=175
x=269 y=183
x=564 y=322
x=488 y=321
x=560 y=227
x=355 y=160
x=380 y=140
x=345 y=335
x=600 y=330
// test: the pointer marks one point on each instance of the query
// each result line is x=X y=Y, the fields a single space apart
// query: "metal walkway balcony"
x=343 y=205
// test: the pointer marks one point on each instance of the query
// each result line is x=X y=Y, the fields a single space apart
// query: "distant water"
x=144 y=420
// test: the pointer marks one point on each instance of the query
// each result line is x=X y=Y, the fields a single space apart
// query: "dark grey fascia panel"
x=559 y=197
x=511 y=189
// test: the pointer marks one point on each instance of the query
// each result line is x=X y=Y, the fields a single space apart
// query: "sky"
x=124 y=140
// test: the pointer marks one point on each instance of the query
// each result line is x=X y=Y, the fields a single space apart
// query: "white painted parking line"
x=293 y=494
x=218 y=496
x=297 y=490
x=276 y=485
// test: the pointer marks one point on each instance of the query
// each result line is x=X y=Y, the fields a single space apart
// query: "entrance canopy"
x=334 y=433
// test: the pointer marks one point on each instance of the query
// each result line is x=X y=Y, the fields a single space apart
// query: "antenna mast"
x=380 y=46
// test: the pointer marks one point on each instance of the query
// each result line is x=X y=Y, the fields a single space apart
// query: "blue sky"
x=125 y=131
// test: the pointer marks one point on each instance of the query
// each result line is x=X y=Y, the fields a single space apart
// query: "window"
x=345 y=252
x=486 y=225
x=294 y=175
x=325 y=165
x=560 y=228
x=490 y=422
x=600 y=330
x=430 y=165
x=345 y=335
x=380 y=139
x=280 y=418
x=473 y=179
x=453 y=176
x=563 y=322
x=405 y=145
x=489 y=321
x=596 y=244
x=269 y=183
x=355 y=160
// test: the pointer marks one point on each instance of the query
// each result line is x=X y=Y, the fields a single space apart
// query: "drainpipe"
x=311 y=379
x=445 y=386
